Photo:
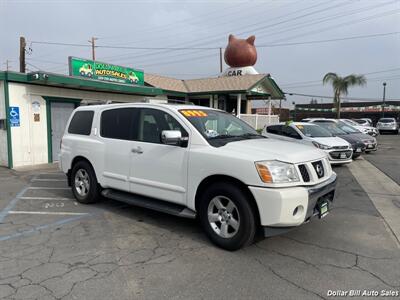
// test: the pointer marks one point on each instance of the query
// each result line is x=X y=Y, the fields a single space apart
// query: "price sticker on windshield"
x=193 y=113
x=300 y=126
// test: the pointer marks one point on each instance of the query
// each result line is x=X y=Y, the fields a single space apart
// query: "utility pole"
x=7 y=63
x=383 y=99
x=22 y=46
x=92 y=41
x=220 y=60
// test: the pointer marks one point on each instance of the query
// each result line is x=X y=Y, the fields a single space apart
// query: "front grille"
x=304 y=173
x=319 y=168
x=340 y=147
x=336 y=154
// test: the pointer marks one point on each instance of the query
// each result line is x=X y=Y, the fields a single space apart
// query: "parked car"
x=369 y=142
x=388 y=124
x=368 y=120
x=362 y=128
x=339 y=151
x=194 y=161
x=362 y=122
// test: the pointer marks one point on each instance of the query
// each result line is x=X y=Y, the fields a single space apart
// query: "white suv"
x=194 y=161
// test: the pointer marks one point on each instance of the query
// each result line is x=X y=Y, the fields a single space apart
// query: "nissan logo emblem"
x=320 y=170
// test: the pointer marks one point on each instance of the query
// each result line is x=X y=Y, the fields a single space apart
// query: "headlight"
x=273 y=171
x=368 y=141
x=321 y=146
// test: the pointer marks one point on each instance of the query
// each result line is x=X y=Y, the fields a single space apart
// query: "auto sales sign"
x=103 y=71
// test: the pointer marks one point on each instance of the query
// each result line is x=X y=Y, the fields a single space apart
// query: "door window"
x=152 y=122
x=290 y=132
x=275 y=129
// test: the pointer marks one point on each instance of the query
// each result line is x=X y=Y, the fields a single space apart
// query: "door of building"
x=60 y=113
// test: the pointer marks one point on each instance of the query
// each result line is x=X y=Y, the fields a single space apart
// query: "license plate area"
x=322 y=206
x=343 y=155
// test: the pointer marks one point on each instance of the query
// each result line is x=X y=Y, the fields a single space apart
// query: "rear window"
x=387 y=120
x=81 y=122
x=118 y=123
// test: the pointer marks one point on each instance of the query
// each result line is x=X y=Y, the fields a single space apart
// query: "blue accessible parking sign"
x=14 y=116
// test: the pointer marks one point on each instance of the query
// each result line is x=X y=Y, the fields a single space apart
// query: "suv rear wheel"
x=227 y=216
x=84 y=183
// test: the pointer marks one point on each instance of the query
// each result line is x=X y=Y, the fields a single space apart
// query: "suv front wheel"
x=84 y=183
x=227 y=216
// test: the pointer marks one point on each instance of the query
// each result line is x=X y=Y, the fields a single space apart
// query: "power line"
x=326 y=19
x=218 y=36
x=329 y=40
x=343 y=98
x=319 y=80
x=324 y=29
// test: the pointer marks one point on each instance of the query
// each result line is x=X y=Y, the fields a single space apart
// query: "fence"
x=259 y=121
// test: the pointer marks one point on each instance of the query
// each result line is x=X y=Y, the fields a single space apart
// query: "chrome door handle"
x=137 y=150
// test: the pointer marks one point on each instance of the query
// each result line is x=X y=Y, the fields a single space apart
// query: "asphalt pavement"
x=52 y=247
x=387 y=158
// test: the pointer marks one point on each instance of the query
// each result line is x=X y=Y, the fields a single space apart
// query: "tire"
x=231 y=210
x=356 y=155
x=84 y=184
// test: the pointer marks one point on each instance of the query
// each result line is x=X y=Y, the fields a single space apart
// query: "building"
x=349 y=110
x=230 y=93
x=35 y=107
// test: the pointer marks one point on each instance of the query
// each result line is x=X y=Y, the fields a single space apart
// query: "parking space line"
x=24 y=212
x=46 y=198
x=41 y=227
x=47 y=188
x=48 y=179
x=11 y=204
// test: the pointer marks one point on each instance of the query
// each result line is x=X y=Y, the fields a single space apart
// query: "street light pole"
x=383 y=99
x=294 y=114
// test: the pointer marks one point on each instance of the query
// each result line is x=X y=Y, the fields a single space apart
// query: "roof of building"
x=260 y=84
x=57 y=80
x=166 y=83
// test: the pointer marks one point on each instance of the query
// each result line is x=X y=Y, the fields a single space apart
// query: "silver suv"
x=388 y=124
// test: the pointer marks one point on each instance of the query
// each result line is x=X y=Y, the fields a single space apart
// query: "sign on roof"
x=103 y=71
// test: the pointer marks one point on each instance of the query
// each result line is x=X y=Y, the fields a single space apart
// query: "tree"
x=341 y=85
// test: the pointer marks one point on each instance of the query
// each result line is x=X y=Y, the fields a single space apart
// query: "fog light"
x=298 y=211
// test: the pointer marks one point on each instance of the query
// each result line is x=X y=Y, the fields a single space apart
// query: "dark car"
x=353 y=138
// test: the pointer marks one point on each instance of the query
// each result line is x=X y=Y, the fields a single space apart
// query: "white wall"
x=3 y=133
x=29 y=141
x=259 y=121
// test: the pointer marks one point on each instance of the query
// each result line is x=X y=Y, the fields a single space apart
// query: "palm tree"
x=341 y=84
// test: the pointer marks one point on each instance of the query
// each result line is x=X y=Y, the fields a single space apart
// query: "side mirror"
x=171 y=137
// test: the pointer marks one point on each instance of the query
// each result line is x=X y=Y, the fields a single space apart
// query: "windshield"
x=218 y=127
x=386 y=120
x=347 y=128
x=313 y=130
x=351 y=122
x=332 y=128
x=359 y=121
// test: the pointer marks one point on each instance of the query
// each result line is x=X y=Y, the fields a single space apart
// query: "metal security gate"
x=60 y=113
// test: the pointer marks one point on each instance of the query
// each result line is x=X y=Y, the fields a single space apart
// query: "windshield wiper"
x=252 y=134
x=223 y=136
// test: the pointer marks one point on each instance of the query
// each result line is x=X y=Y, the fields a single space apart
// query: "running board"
x=150 y=203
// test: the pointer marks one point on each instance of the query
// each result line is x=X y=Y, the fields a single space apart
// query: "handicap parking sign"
x=14 y=116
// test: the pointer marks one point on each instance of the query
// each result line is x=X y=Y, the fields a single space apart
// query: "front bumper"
x=371 y=147
x=340 y=156
x=289 y=207
x=390 y=127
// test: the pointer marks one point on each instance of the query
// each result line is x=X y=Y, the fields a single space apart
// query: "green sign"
x=103 y=71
